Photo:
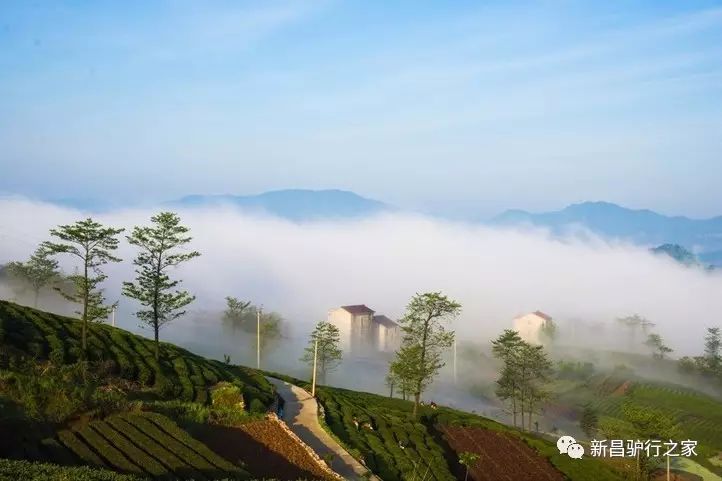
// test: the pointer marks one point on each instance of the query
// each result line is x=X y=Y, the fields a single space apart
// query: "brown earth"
x=502 y=457
x=622 y=389
x=263 y=448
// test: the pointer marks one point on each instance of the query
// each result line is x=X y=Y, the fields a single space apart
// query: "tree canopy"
x=92 y=244
x=153 y=288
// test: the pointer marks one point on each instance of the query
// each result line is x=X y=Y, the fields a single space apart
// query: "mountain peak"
x=295 y=204
x=641 y=226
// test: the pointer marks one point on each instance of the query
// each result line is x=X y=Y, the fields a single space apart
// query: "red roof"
x=546 y=317
x=358 y=309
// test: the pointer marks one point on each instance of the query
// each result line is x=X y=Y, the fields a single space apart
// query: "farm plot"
x=501 y=456
x=267 y=451
x=147 y=445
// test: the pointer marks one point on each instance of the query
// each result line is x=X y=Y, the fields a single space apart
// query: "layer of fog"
x=302 y=270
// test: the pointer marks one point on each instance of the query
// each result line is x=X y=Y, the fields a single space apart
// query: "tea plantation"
x=115 y=410
x=178 y=374
x=144 y=444
x=382 y=433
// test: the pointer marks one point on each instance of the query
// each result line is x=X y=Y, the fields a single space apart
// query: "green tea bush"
x=160 y=448
x=81 y=450
x=110 y=453
x=26 y=471
x=35 y=334
x=124 y=444
x=165 y=425
x=57 y=350
x=182 y=411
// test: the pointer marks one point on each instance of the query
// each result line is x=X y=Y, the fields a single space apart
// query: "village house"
x=531 y=326
x=363 y=332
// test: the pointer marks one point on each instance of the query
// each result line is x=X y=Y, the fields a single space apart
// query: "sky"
x=457 y=108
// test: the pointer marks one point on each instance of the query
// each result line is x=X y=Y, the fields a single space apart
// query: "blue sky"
x=461 y=108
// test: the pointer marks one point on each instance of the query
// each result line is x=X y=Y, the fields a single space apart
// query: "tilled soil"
x=502 y=457
x=264 y=449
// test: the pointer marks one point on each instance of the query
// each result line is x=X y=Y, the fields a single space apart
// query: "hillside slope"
x=178 y=374
x=115 y=407
x=384 y=436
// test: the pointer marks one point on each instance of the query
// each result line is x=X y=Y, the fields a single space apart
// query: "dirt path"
x=301 y=414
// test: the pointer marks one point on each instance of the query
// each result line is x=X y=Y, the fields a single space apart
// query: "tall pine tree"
x=153 y=288
x=92 y=244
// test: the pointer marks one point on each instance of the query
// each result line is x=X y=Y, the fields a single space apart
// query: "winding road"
x=300 y=412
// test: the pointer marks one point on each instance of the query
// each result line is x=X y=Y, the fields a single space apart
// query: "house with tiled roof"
x=530 y=326
x=363 y=332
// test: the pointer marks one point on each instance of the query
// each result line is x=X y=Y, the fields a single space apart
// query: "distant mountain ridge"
x=295 y=204
x=641 y=226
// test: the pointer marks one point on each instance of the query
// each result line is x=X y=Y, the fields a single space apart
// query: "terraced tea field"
x=145 y=444
x=178 y=374
x=383 y=434
x=388 y=441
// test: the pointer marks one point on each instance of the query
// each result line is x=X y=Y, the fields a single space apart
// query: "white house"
x=388 y=334
x=362 y=332
x=530 y=326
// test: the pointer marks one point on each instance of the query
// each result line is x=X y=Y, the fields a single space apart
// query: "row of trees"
x=709 y=364
x=92 y=246
x=525 y=372
x=263 y=328
x=653 y=341
x=38 y=272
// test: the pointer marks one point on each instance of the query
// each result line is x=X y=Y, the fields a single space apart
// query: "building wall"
x=529 y=327
x=362 y=334
x=388 y=339
x=342 y=319
x=356 y=332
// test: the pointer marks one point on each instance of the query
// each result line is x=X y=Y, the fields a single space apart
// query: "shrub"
x=226 y=395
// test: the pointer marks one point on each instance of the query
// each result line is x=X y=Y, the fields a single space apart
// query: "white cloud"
x=302 y=270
